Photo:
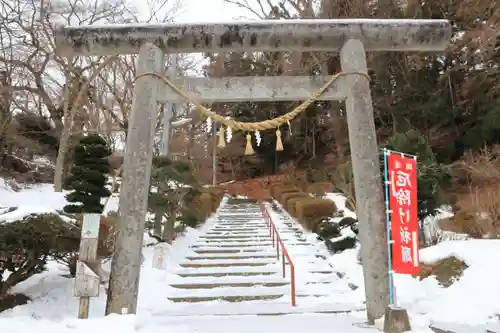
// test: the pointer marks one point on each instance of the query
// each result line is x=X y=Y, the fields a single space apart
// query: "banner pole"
x=388 y=228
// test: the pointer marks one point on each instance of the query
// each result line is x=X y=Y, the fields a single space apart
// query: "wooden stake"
x=86 y=281
x=83 y=308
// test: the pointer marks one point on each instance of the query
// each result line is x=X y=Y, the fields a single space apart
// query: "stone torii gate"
x=351 y=37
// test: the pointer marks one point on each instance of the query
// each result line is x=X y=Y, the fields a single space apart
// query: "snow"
x=324 y=283
x=256 y=23
x=37 y=199
x=469 y=301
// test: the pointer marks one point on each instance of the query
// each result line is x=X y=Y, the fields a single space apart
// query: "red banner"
x=402 y=174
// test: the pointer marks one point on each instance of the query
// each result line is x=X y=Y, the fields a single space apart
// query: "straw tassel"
x=279 y=143
x=249 y=149
x=222 y=139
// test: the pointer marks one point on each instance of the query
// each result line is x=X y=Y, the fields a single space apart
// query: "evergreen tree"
x=432 y=177
x=171 y=184
x=87 y=178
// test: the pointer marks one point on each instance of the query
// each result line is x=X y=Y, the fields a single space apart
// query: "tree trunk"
x=190 y=143
x=68 y=122
x=339 y=132
x=169 y=228
x=313 y=140
x=157 y=224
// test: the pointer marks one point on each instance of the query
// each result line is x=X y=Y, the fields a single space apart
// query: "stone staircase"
x=232 y=268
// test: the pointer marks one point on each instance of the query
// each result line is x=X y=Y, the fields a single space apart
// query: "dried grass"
x=478 y=194
x=446 y=271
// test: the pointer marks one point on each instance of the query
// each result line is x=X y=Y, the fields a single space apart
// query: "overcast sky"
x=198 y=11
x=208 y=11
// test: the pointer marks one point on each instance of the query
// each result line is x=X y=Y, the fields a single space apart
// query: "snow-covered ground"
x=468 y=301
x=473 y=300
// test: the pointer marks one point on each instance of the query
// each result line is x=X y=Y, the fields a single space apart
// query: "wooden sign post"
x=86 y=281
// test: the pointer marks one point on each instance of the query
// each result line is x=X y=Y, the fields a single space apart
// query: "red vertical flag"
x=402 y=174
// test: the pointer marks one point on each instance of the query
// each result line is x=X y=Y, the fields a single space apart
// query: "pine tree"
x=87 y=178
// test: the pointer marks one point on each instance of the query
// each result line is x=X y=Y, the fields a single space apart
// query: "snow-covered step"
x=252 y=244
x=268 y=268
x=233 y=263
x=247 y=239
x=229 y=273
x=235 y=242
x=229 y=264
x=246 y=224
x=226 y=250
x=209 y=249
x=241 y=216
x=244 y=244
x=239 y=229
x=227 y=298
x=257 y=232
x=225 y=239
x=217 y=284
x=225 y=279
x=263 y=243
x=176 y=279
x=196 y=256
x=227 y=291
x=248 y=236
x=219 y=228
x=247 y=243
x=237 y=261
x=244 y=215
x=280 y=306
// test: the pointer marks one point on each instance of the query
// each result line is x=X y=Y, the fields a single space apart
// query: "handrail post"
x=292 y=284
x=277 y=244
x=283 y=260
x=268 y=221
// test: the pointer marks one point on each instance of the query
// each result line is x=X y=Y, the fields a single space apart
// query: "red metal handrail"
x=276 y=239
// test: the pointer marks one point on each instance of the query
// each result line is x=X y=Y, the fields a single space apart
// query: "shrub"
x=275 y=188
x=341 y=244
x=311 y=211
x=288 y=195
x=190 y=220
x=10 y=301
x=281 y=191
x=319 y=189
x=87 y=178
x=291 y=204
x=27 y=244
x=210 y=199
x=216 y=194
x=465 y=223
x=326 y=229
x=207 y=204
